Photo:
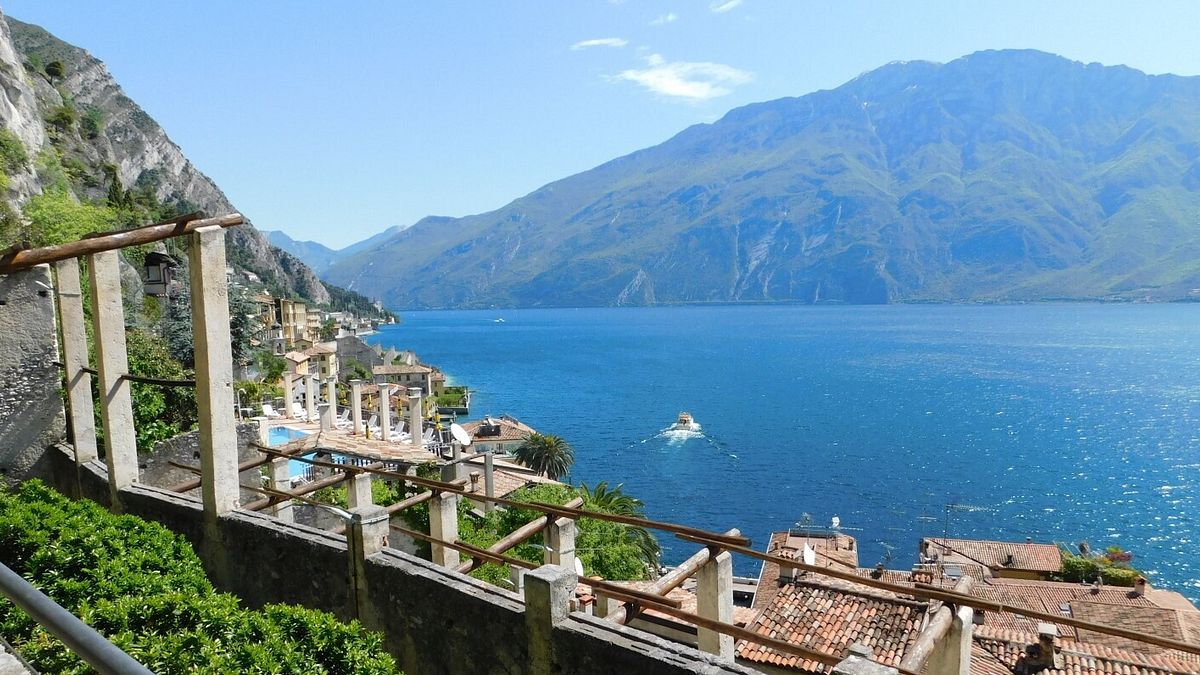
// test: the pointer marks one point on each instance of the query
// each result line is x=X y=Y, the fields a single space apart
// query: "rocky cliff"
x=75 y=114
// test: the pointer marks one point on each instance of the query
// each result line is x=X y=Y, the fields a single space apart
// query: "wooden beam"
x=111 y=241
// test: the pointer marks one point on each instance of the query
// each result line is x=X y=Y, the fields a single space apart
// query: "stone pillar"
x=289 y=386
x=714 y=600
x=278 y=474
x=310 y=396
x=366 y=535
x=219 y=488
x=385 y=411
x=443 y=524
x=331 y=393
x=358 y=490
x=548 y=593
x=75 y=358
x=414 y=415
x=560 y=544
x=116 y=406
x=456 y=458
x=489 y=481
x=325 y=415
x=356 y=419
x=516 y=577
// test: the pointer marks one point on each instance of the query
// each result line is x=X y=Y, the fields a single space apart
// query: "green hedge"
x=143 y=587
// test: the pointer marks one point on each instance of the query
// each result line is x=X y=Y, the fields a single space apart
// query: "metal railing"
x=79 y=637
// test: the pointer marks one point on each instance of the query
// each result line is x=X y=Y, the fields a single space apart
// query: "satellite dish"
x=578 y=567
x=810 y=556
x=460 y=434
x=837 y=522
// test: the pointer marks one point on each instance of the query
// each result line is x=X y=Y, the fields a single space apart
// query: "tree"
x=615 y=501
x=177 y=326
x=546 y=454
x=56 y=217
x=55 y=69
x=328 y=330
x=241 y=327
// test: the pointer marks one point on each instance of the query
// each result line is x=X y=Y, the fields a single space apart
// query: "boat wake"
x=676 y=436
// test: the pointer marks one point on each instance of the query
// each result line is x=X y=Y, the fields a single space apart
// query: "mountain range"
x=1011 y=175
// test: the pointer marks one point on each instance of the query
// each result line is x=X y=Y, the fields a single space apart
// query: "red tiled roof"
x=1152 y=620
x=994 y=554
x=1005 y=646
x=829 y=619
x=1048 y=596
x=510 y=430
x=831 y=550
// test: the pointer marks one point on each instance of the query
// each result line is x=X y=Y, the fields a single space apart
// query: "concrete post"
x=310 y=396
x=489 y=481
x=414 y=415
x=443 y=525
x=358 y=490
x=456 y=456
x=356 y=406
x=214 y=371
x=560 y=544
x=325 y=415
x=289 y=386
x=116 y=406
x=366 y=535
x=516 y=576
x=385 y=411
x=75 y=358
x=331 y=393
x=714 y=600
x=548 y=593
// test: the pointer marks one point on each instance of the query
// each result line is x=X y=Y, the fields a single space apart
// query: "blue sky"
x=332 y=121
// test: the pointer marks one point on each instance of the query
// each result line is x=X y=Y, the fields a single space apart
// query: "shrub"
x=63 y=117
x=13 y=156
x=55 y=69
x=143 y=587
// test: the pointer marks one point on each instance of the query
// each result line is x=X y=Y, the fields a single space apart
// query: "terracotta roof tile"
x=1078 y=658
x=829 y=619
x=995 y=554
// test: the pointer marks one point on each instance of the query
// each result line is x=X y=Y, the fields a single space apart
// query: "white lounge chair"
x=427 y=437
x=300 y=413
x=373 y=426
x=343 y=420
x=270 y=412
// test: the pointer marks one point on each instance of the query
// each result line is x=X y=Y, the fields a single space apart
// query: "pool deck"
x=343 y=442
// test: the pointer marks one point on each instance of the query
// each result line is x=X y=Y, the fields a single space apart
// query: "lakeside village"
x=351 y=481
x=345 y=402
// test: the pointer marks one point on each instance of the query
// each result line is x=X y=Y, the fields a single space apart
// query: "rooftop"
x=827 y=617
x=510 y=429
x=995 y=652
x=997 y=554
x=401 y=369
x=832 y=549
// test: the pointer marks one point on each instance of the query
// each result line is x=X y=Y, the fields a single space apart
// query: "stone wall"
x=32 y=416
x=435 y=621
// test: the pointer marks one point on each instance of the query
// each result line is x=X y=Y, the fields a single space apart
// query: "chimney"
x=1028 y=540
x=1139 y=587
x=1008 y=559
x=878 y=571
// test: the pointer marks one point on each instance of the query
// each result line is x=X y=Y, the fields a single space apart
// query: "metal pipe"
x=79 y=637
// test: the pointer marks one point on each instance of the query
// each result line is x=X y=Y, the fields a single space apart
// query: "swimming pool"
x=278 y=436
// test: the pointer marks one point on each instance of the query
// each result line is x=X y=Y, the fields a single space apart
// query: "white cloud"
x=694 y=81
x=600 y=42
x=669 y=17
x=719 y=7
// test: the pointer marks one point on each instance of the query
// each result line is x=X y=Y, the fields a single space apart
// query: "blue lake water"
x=1058 y=422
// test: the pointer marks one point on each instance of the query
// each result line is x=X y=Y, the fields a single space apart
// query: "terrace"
x=428 y=610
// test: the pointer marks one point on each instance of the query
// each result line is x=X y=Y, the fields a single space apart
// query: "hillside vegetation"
x=1000 y=176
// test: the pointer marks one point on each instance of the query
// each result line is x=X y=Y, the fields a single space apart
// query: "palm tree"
x=615 y=501
x=546 y=454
